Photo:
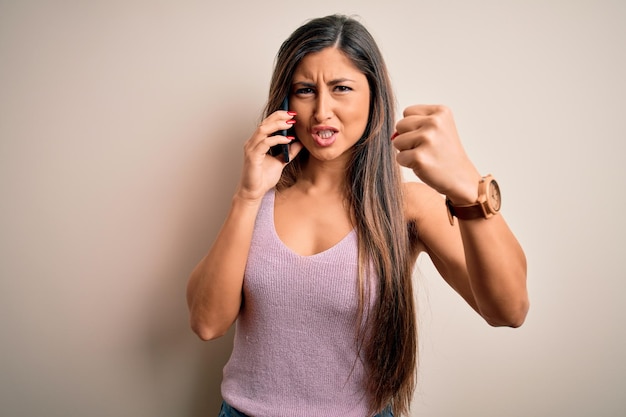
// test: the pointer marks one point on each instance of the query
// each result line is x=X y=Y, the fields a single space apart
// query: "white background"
x=121 y=130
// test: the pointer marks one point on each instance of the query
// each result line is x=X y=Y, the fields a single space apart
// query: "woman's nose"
x=323 y=107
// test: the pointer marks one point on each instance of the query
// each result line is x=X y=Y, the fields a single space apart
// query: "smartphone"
x=282 y=148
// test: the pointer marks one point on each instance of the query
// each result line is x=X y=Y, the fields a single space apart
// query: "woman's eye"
x=343 y=88
x=305 y=90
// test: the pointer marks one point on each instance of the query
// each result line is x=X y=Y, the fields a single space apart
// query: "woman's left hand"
x=429 y=145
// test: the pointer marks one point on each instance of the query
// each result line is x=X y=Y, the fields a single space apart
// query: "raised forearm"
x=214 y=291
x=496 y=265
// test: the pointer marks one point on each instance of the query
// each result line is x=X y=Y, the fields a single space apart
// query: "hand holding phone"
x=282 y=148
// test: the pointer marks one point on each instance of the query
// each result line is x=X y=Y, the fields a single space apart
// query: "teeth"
x=325 y=134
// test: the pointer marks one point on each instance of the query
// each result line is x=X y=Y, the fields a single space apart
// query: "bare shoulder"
x=419 y=201
x=423 y=207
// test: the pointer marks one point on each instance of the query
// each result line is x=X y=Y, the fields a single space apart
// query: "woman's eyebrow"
x=340 y=81
x=331 y=82
x=303 y=84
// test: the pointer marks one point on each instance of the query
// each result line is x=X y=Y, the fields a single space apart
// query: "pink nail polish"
x=395 y=134
x=292 y=113
x=290 y=122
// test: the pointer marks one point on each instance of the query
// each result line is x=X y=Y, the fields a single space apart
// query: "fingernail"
x=290 y=122
x=292 y=113
x=290 y=137
x=395 y=134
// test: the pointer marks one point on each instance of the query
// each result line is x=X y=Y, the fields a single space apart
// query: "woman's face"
x=331 y=97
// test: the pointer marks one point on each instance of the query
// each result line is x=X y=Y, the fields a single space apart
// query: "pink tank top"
x=294 y=351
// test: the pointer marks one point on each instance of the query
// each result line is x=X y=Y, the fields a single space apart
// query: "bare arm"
x=481 y=258
x=214 y=290
x=497 y=270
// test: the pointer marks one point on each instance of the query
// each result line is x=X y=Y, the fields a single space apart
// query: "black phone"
x=282 y=148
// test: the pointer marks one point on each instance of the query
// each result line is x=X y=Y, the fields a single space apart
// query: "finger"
x=411 y=158
x=410 y=140
x=268 y=134
x=277 y=121
x=262 y=147
x=425 y=110
x=415 y=122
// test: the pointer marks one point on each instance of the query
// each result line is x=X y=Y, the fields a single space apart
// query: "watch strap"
x=486 y=206
x=464 y=212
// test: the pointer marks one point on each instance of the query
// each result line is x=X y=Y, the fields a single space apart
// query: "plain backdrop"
x=121 y=132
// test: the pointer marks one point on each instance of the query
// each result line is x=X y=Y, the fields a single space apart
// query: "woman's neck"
x=323 y=176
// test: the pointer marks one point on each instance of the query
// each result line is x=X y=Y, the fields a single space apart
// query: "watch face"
x=493 y=195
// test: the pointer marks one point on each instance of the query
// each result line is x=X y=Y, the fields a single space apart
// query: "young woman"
x=314 y=260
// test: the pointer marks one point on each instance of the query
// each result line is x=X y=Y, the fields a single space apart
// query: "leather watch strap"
x=467 y=212
x=488 y=203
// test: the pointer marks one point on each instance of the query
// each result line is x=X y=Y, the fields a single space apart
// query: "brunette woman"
x=314 y=260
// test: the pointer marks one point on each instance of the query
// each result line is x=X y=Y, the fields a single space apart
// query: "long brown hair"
x=374 y=193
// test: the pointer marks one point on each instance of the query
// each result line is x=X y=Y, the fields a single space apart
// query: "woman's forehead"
x=329 y=63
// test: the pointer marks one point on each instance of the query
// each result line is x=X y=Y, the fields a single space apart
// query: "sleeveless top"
x=294 y=351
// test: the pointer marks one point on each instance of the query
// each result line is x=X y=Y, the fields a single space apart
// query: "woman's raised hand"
x=429 y=144
x=261 y=171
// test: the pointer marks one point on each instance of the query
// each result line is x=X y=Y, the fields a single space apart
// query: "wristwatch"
x=488 y=204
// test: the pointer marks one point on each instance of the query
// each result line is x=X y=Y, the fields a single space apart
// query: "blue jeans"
x=228 y=411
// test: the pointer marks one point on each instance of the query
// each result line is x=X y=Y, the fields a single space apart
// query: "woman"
x=314 y=260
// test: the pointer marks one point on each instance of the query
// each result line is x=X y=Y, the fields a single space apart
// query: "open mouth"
x=324 y=136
